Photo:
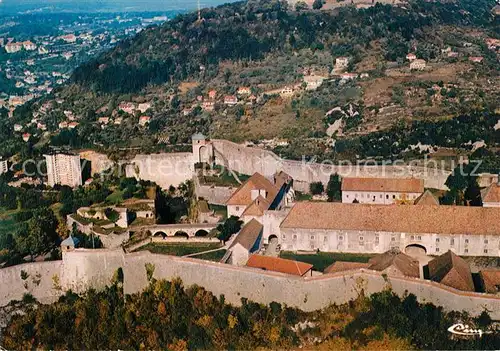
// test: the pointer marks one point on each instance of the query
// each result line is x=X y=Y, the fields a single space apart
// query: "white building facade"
x=381 y=191
x=4 y=167
x=64 y=169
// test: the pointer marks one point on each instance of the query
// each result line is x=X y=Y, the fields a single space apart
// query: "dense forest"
x=167 y=315
x=185 y=47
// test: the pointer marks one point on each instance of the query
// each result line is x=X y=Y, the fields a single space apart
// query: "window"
x=341 y=238
x=393 y=239
x=312 y=237
x=485 y=251
x=419 y=237
x=347 y=196
x=466 y=241
x=437 y=240
x=381 y=196
x=295 y=237
x=237 y=208
x=486 y=241
x=437 y=249
x=325 y=238
x=393 y=197
x=376 y=239
x=452 y=242
x=283 y=236
x=361 y=238
x=387 y=197
x=466 y=250
x=412 y=237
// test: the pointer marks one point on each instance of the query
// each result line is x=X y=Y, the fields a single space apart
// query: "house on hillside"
x=313 y=82
x=418 y=65
x=212 y=94
x=452 y=270
x=247 y=241
x=476 y=59
x=143 y=120
x=386 y=191
x=244 y=91
x=411 y=57
x=230 y=100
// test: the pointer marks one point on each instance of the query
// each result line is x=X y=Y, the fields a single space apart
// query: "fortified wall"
x=165 y=169
x=174 y=168
x=81 y=269
x=248 y=160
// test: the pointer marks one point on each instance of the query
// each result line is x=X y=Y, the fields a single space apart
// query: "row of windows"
x=465 y=250
x=381 y=196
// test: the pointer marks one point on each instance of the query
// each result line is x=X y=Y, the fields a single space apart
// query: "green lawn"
x=180 y=249
x=323 y=259
x=214 y=256
x=115 y=197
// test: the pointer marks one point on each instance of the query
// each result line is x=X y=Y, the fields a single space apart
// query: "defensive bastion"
x=81 y=269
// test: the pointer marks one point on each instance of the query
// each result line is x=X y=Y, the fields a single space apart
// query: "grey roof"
x=198 y=136
x=248 y=235
x=70 y=241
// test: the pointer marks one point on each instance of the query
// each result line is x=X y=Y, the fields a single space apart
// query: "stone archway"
x=204 y=154
x=181 y=234
x=415 y=250
x=160 y=233
x=201 y=233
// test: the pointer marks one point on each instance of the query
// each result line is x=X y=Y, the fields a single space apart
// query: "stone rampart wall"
x=82 y=269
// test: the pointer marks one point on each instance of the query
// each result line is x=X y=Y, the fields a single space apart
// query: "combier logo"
x=465 y=330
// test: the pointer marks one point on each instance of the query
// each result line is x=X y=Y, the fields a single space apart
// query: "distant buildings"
x=3 y=166
x=64 y=169
x=11 y=48
x=313 y=82
x=248 y=241
x=385 y=191
x=476 y=59
x=143 y=120
x=418 y=65
x=28 y=45
x=230 y=100
x=411 y=57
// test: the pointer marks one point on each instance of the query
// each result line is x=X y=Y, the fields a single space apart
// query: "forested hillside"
x=339 y=83
x=251 y=30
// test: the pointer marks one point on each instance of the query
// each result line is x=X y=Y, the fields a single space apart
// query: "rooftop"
x=427 y=199
x=403 y=263
x=491 y=193
x=409 y=185
x=243 y=196
x=451 y=270
x=277 y=264
x=397 y=218
x=490 y=279
x=341 y=266
x=248 y=235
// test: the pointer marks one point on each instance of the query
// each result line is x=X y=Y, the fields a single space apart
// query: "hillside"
x=308 y=77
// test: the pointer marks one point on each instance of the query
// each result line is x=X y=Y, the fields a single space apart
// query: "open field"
x=180 y=249
x=322 y=260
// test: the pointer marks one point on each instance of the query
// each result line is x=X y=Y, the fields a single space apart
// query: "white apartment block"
x=64 y=169
x=3 y=166
x=381 y=191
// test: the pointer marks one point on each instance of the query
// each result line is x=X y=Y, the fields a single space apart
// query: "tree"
x=333 y=189
x=317 y=4
x=300 y=6
x=112 y=214
x=316 y=188
x=231 y=226
x=464 y=189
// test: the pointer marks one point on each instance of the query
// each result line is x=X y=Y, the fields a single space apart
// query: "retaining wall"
x=82 y=269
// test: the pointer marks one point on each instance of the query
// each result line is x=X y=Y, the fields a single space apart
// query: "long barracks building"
x=357 y=228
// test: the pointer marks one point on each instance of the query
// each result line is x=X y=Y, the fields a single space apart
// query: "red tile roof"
x=401 y=219
x=452 y=270
x=427 y=199
x=490 y=278
x=277 y=264
x=398 y=185
x=243 y=196
x=491 y=193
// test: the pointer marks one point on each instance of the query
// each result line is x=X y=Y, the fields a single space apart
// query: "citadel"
x=385 y=210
